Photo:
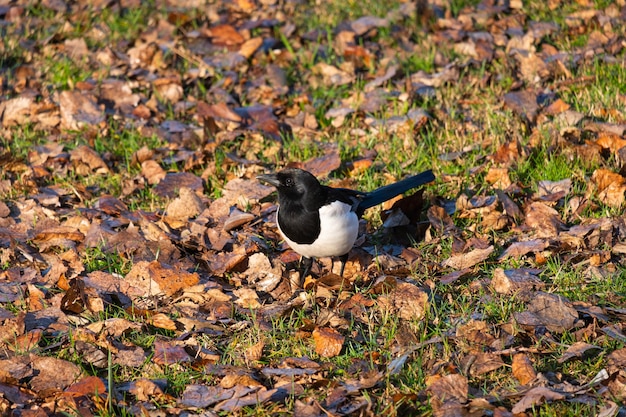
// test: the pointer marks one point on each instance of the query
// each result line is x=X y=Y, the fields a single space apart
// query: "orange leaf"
x=523 y=369
x=328 y=341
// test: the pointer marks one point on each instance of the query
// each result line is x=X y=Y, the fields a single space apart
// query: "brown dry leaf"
x=247 y=298
x=616 y=360
x=162 y=321
x=448 y=388
x=144 y=389
x=52 y=375
x=328 y=341
x=410 y=302
x=519 y=249
x=187 y=205
x=79 y=110
x=27 y=342
x=556 y=107
x=87 y=386
x=254 y=352
x=168 y=89
x=467 y=260
x=523 y=103
x=237 y=218
x=578 y=350
x=258 y=397
x=544 y=220
x=174 y=181
x=514 y=280
x=610 y=141
x=440 y=220
x=203 y=396
x=224 y=35
x=152 y=171
x=249 y=47
x=554 y=312
x=332 y=76
x=16 y=111
x=168 y=353
x=156 y=276
x=483 y=363
x=553 y=190
x=87 y=161
x=522 y=368
x=475 y=333
x=36 y=298
x=536 y=397
x=261 y=273
x=611 y=187
x=323 y=165
x=498 y=177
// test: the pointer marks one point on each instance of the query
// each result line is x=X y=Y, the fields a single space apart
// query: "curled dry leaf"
x=514 y=280
x=144 y=389
x=536 y=397
x=544 y=220
x=578 y=350
x=519 y=249
x=483 y=363
x=254 y=352
x=152 y=171
x=409 y=301
x=79 y=110
x=187 y=205
x=448 y=388
x=498 y=178
x=162 y=321
x=467 y=260
x=328 y=341
x=554 y=312
x=522 y=368
x=167 y=353
x=87 y=386
x=611 y=187
x=247 y=298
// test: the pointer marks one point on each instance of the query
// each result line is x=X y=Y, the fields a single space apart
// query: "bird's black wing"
x=388 y=192
x=345 y=195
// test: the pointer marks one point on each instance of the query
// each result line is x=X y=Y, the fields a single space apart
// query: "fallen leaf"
x=467 y=260
x=168 y=353
x=554 y=311
x=544 y=220
x=536 y=397
x=514 y=280
x=328 y=341
x=611 y=187
x=578 y=350
x=523 y=369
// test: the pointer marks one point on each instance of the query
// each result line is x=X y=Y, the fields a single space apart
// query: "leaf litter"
x=164 y=259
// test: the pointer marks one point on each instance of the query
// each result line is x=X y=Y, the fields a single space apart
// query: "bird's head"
x=293 y=185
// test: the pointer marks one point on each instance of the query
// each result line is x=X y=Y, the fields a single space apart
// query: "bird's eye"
x=289 y=182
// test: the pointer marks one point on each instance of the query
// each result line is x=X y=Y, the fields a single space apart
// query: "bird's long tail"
x=388 y=192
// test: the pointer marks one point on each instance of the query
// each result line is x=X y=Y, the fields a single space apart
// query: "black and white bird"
x=320 y=221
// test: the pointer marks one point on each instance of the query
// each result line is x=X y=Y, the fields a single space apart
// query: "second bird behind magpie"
x=320 y=221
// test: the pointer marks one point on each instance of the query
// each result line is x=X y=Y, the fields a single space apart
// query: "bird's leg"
x=305 y=267
x=343 y=259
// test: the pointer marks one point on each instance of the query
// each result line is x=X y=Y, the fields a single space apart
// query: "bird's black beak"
x=269 y=178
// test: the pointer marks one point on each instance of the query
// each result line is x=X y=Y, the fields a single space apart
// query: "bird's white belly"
x=339 y=227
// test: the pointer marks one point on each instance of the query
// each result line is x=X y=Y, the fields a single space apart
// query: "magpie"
x=320 y=221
